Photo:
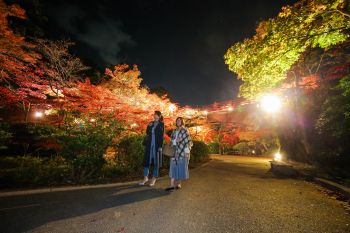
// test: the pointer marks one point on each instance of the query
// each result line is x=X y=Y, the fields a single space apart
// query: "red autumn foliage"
x=21 y=77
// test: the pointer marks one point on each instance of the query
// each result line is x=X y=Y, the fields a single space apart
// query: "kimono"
x=179 y=164
x=185 y=143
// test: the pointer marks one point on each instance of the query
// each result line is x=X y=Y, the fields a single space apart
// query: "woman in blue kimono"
x=153 y=144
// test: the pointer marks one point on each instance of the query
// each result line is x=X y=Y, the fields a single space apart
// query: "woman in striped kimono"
x=182 y=142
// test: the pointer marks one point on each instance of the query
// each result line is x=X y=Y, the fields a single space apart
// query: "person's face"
x=155 y=117
x=178 y=123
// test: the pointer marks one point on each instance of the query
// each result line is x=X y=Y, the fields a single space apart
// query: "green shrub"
x=28 y=170
x=130 y=153
x=242 y=148
x=5 y=135
x=111 y=170
x=84 y=145
x=199 y=151
x=214 y=148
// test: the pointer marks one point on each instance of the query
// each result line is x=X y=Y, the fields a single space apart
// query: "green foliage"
x=214 y=148
x=270 y=144
x=28 y=170
x=130 y=153
x=263 y=61
x=334 y=120
x=199 y=151
x=5 y=135
x=242 y=148
x=84 y=144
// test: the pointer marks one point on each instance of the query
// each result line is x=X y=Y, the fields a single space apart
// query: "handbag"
x=168 y=150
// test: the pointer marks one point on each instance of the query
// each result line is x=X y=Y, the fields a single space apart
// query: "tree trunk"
x=26 y=110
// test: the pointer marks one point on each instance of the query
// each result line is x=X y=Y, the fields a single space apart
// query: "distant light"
x=137 y=103
x=172 y=108
x=271 y=103
x=133 y=125
x=230 y=109
x=38 y=114
x=253 y=151
x=92 y=120
x=278 y=157
x=205 y=112
x=49 y=111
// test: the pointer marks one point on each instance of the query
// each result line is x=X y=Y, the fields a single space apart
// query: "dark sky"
x=177 y=44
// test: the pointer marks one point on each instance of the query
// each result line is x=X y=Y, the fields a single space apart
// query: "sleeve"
x=190 y=143
x=172 y=138
x=148 y=130
x=161 y=141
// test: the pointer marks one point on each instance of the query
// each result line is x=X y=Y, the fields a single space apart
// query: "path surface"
x=229 y=194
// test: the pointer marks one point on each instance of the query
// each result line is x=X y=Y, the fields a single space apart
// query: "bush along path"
x=83 y=160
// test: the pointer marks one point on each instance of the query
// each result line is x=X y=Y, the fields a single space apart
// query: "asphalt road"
x=229 y=194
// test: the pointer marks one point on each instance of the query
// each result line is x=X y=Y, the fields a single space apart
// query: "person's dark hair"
x=158 y=113
x=182 y=121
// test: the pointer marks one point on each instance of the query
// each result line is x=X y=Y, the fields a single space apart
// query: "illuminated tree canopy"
x=263 y=61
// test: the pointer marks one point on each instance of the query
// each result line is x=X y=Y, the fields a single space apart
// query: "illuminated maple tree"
x=263 y=61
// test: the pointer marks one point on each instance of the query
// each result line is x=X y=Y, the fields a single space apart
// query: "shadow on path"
x=26 y=212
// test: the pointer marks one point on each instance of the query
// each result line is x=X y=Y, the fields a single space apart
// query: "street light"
x=38 y=114
x=271 y=103
x=172 y=108
x=278 y=157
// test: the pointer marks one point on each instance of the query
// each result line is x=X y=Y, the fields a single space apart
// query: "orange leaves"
x=5 y=11
x=16 y=11
x=89 y=98
x=125 y=85
x=285 y=12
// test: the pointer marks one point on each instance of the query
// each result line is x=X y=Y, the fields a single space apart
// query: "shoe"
x=170 y=189
x=145 y=180
x=153 y=182
x=178 y=186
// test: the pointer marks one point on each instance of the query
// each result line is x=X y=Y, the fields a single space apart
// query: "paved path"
x=229 y=194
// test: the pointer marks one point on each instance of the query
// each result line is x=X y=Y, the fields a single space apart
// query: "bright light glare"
x=172 y=107
x=278 y=157
x=230 y=109
x=271 y=103
x=38 y=114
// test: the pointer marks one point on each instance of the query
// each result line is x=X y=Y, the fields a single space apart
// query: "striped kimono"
x=185 y=141
x=179 y=164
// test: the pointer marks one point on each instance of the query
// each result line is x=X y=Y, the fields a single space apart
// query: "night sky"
x=177 y=44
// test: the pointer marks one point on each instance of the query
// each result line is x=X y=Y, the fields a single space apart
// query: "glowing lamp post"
x=271 y=103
